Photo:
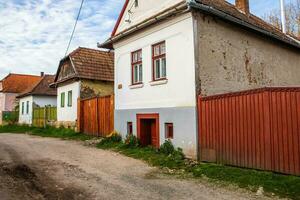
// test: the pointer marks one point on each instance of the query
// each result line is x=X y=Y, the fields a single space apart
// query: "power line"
x=74 y=28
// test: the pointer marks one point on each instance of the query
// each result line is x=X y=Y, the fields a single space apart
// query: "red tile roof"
x=18 y=83
x=249 y=18
x=41 y=88
x=91 y=64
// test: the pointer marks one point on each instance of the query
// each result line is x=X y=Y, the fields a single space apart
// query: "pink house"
x=13 y=85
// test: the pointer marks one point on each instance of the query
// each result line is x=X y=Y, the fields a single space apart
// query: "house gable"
x=132 y=15
x=66 y=71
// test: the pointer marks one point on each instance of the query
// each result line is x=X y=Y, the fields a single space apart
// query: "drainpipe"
x=283 y=21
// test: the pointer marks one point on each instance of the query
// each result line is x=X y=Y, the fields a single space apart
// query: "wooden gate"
x=42 y=116
x=96 y=116
x=254 y=129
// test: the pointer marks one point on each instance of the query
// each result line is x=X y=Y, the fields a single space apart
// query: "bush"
x=114 y=137
x=132 y=141
x=168 y=148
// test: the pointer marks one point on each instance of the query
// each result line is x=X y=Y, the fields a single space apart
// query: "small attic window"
x=136 y=3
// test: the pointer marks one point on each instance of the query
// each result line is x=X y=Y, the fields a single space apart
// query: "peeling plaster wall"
x=233 y=59
x=91 y=88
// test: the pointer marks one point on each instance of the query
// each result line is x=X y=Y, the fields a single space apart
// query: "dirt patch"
x=21 y=179
x=34 y=168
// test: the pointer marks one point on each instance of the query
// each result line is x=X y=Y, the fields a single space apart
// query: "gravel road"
x=45 y=168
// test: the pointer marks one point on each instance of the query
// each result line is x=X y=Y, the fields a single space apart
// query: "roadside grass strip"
x=284 y=186
x=62 y=133
x=172 y=160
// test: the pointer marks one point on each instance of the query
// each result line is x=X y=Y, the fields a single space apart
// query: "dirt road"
x=45 y=168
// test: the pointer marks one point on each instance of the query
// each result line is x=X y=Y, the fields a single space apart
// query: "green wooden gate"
x=43 y=116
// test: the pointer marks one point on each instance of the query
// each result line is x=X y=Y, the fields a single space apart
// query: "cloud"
x=34 y=33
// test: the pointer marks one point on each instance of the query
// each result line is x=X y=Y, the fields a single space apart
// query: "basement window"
x=169 y=130
x=129 y=128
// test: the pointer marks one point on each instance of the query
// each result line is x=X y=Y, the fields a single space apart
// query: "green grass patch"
x=280 y=185
x=62 y=133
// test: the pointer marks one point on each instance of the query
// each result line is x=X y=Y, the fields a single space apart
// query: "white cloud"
x=34 y=33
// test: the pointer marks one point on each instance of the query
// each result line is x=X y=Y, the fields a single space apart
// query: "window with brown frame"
x=136 y=67
x=129 y=128
x=169 y=130
x=159 y=61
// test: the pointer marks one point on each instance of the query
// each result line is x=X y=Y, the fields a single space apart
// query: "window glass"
x=156 y=51
x=169 y=130
x=163 y=48
x=157 y=69
x=23 y=105
x=159 y=61
x=70 y=98
x=163 y=67
x=27 y=107
x=129 y=128
x=62 y=99
x=140 y=73
x=137 y=67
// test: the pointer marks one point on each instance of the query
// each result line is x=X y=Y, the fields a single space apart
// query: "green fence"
x=10 y=117
x=44 y=116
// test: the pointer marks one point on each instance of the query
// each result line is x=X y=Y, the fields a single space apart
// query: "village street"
x=44 y=168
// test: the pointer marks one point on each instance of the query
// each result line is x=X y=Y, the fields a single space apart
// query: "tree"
x=292 y=11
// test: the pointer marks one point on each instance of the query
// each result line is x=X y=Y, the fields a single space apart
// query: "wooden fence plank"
x=96 y=116
x=254 y=129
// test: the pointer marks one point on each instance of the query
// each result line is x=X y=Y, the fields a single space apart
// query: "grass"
x=272 y=183
x=62 y=133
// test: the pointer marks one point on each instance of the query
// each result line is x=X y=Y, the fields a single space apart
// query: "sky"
x=34 y=34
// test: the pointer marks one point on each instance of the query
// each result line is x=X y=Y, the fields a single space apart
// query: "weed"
x=131 y=141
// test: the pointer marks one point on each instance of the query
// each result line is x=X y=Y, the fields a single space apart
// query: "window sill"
x=159 y=82
x=140 y=85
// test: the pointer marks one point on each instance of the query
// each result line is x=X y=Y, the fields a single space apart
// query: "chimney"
x=243 y=5
x=42 y=74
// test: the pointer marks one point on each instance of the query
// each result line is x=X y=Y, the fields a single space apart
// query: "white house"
x=167 y=52
x=84 y=73
x=39 y=95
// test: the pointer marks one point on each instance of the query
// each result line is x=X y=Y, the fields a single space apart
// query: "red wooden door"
x=148 y=129
x=154 y=134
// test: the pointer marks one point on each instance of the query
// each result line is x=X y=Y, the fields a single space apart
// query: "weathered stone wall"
x=89 y=88
x=230 y=58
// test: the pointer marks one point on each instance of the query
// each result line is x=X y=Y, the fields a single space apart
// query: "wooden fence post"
x=79 y=113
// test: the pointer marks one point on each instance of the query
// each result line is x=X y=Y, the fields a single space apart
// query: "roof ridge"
x=28 y=75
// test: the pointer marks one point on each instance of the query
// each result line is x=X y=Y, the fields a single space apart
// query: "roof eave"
x=181 y=6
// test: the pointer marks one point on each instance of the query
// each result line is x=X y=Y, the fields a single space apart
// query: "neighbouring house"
x=168 y=52
x=84 y=73
x=10 y=87
x=39 y=95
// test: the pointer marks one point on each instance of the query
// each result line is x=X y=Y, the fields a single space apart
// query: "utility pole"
x=283 y=22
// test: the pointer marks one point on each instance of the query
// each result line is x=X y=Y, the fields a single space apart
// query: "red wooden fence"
x=254 y=129
x=96 y=116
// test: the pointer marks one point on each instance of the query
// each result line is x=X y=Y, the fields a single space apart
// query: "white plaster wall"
x=68 y=114
x=146 y=9
x=25 y=118
x=180 y=89
x=45 y=100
